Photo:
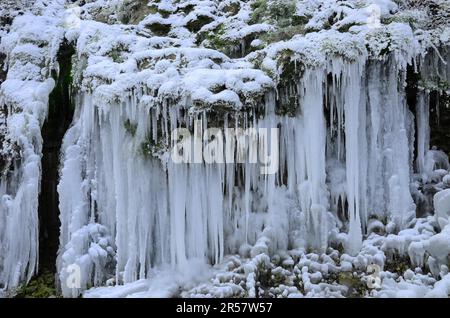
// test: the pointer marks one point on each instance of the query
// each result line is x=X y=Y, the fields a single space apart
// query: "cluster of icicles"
x=346 y=156
x=331 y=175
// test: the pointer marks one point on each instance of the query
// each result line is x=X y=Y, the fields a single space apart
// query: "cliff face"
x=339 y=99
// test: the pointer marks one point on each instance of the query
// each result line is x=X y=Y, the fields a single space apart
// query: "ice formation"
x=354 y=154
x=24 y=95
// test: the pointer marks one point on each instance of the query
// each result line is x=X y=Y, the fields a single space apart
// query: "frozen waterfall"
x=264 y=142
x=351 y=144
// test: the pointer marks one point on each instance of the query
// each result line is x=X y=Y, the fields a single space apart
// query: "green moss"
x=388 y=47
x=346 y=27
x=263 y=275
x=445 y=100
x=213 y=37
x=287 y=106
x=280 y=13
x=232 y=8
x=154 y=9
x=152 y=149
x=63 y=80
x=283 y=34
x=116 y=56
x=402 y=18
x=277 y=279
x=215 y=40
x=435 y=83
x=149 y=62
x=134 y=11
x=298 y=283
x=41 y=286
x=356 y=287
x=288 y=101
x=130 y=127
x=397 y=264
x=125 y=19
x=260 y=9
x=299 y=19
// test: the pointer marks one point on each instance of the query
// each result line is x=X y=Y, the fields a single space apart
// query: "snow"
x=162 y=282
x=199 y=83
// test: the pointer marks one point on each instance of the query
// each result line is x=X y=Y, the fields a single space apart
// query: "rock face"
x=335 y=98
x=59 y=118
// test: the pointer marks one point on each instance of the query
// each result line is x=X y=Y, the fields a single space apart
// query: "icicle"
x=353 y=129
x=423 y=132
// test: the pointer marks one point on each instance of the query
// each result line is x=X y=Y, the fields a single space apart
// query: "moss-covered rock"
x=282 y=15
x=117 y=53
x=288 y=97
x=159 y=29
x=133 y=11
x=40 y=286
x=397 y=264
x=196 y=24
x=130 y=127
x=153 y=149
x=356 y=286
x=232 y=8
x=283 y=34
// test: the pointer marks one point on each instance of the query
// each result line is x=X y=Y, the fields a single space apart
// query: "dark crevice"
x=412 y=80
x=2 y=67
x=440 y=121
x=60 y=114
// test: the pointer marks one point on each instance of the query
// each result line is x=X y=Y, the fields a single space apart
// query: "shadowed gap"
x=60 y=114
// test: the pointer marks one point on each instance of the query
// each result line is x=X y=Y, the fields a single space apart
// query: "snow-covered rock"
x=442 y=207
